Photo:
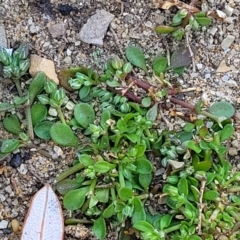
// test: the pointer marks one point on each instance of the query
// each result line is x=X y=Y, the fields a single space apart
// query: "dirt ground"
x=133 y=23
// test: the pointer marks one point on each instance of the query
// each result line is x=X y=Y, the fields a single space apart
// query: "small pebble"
x=16 y=160
x=52 y=112
x=3 y=224
x=15 y=225
x=22 y=169
x=227 y=42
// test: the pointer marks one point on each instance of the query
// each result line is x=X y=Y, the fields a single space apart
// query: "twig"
x=118 y=43
x=187 y=33
x=200 y=208
x=40 y=51
x=169 y=125
x=143 y=19
x=182 y=103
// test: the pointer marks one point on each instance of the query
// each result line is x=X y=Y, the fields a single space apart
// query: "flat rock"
x=3 y=39
x=223 y=67
x=96 y=27
x=227 y=42
x=57 y=30
x=3 y=224
x=39 y=64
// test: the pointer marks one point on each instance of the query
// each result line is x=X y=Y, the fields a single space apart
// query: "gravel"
x=53 y=33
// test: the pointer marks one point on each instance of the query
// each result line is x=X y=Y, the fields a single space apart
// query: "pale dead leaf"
x=44 y=220
x=176 y=165
x=223 y=67
x=171 y=3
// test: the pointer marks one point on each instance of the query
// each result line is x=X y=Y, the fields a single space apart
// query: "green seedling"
x=187 y=16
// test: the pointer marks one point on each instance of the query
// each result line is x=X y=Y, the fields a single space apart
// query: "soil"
x=134 y=22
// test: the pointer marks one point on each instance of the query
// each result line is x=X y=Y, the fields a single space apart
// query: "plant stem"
x=113 y=194
x=18 y=85
x=173 y=228
x=71 y=221
x=117 y=140
x=29 y=121
x=69 y=172
x=182 y=103
x=121 y=178
x=60 y=114
x=211 y=116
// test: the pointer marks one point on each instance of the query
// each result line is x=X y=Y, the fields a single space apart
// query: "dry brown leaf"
x=171 y=3
x=44 y=219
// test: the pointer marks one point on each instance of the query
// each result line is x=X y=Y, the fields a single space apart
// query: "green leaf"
x=84 y=114
x=165 y=221
x=106 y=115
x=74 y=199
x=152 y=113
x=195 y=192
x=220 y=149
x=86 y=160
x=179 y=70
x=201 y=165
x=141 y=148
x=62 y=134
x=6 y=106
x=211 y=195
x=84 y=92
x=203 y=21
x=109 y=211
x=125 y=193
x=36 y=86
x=146 y=102
x=99 y=228
x=227 y=132
x=20 y=100
x=138 y=212
x=222 y=109
x=38 y=113
x=102 y=195
x=160 y=64
x=144 y=166
x=103 y=166
x=145 y=180
x=164 y=29
x=104 y=142
x=132 y=137
x=189 y=127
x=183 y=186
x=12 y=124
x=136 y=57
x=192 y=145
x=9 y=145
x=143 y=226
x=42 y=130
x=67 y=185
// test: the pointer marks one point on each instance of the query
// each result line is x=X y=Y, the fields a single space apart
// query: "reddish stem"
x=182 y=103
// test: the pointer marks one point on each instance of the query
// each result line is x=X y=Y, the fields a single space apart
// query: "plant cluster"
x=188 y=17
x=111 y=177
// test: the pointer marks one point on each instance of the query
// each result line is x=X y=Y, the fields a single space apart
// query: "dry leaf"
x=44 y=220
x=171 y=3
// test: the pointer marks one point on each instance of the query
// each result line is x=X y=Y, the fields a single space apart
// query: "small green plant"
x=111 y=177
x=188 y=15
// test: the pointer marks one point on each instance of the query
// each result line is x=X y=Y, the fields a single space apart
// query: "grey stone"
x=57 y=30
x=3 y=224
x=227 y=42
x=96 y=27
x=3 y=39
x=8 y=189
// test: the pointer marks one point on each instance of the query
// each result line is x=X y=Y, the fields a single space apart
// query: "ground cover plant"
x=117 y=114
